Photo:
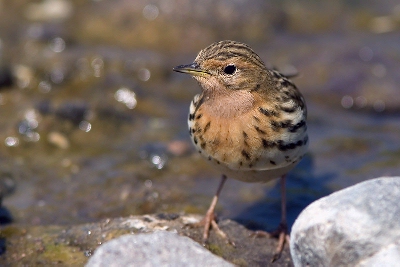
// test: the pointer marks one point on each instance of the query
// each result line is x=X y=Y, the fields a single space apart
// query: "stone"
x=160 y=248
x=75 y=245
x=356 y=226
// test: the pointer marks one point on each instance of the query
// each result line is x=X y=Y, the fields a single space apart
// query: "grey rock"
x=357 y=226
x=160 y=248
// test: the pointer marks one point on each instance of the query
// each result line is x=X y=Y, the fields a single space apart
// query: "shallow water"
x=94 y=120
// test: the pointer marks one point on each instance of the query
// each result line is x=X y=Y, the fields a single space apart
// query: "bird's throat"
x=232 y=105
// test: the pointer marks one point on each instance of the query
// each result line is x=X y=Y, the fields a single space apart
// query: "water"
x=94 y=120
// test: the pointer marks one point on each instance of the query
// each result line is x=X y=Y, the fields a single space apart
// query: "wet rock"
x=156 y=249
x=357 y=226
x=72 y=245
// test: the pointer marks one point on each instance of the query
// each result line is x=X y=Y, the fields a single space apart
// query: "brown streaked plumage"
x=249 y=121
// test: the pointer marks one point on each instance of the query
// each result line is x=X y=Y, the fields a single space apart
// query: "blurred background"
x=94 y=122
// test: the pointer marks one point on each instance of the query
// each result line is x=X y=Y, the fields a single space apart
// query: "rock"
x=75 y=245
x=160 y=248
x=357 y=226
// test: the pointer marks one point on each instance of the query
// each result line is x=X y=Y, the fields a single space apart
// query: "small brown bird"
x=250 y=121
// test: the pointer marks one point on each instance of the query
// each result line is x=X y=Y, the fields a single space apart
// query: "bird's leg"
x=209 y=219
x=210 y=215
x=282 y=232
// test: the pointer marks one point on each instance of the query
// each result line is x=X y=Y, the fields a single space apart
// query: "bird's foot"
x=208 y=222
x=283 y=237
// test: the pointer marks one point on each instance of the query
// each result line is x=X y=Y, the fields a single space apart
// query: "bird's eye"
x=230 y=69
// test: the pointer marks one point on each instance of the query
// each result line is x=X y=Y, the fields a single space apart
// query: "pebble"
x=58 y=139
x=356 y=226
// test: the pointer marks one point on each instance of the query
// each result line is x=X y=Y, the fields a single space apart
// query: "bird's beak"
x=192 y=69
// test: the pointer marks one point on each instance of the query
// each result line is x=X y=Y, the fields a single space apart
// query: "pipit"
x=249 y=121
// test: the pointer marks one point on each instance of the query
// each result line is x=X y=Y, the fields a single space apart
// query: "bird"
x=249 y=121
